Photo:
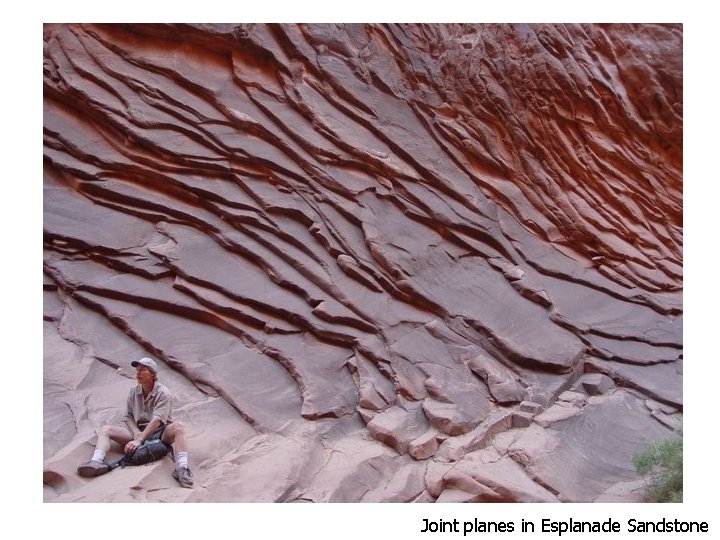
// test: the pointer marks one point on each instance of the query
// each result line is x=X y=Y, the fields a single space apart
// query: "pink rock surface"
x=369 y=259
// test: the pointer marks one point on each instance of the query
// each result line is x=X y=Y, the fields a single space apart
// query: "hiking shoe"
x=184 y=476
x=93 y=468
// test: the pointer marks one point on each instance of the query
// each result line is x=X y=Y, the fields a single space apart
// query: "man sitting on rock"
x=148 y=416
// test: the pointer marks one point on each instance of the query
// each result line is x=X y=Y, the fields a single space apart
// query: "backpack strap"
x=119 y=463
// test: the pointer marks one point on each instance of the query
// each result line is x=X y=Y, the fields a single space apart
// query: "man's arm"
x=152 y=426
x=141 y=437
x=162 y=407
x=133 y=427
x=128 y=418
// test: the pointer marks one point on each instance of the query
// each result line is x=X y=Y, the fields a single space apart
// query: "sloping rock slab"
x=593 y=450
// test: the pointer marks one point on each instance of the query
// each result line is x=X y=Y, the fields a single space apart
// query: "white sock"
x=181 y=460
x=98 y=455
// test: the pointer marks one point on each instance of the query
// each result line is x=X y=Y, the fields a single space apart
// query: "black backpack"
x=149 y=451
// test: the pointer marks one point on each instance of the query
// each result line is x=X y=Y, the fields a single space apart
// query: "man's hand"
x=139 y=435
x=132 y=446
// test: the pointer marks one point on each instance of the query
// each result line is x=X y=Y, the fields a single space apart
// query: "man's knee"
x=115 y=433
x=173 y=431
x=105 y=430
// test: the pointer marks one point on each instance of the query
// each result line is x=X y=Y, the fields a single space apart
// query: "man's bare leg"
x=97 y=466
x=120 y=435
x=175 y=434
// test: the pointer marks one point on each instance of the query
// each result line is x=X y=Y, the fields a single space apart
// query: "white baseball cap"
x=147 y=362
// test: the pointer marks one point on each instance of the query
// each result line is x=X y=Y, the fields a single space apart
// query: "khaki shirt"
x=157 y=404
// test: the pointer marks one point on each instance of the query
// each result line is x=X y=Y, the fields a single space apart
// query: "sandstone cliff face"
x=376 y=263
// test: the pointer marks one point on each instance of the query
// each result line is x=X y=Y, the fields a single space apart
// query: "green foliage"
x=661 y=464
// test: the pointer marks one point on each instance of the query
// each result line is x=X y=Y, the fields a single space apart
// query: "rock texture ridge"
x=374 y=262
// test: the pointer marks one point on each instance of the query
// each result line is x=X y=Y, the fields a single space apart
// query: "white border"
x=21 y=42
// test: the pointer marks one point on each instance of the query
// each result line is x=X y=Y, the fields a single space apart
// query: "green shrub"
x=661 y=464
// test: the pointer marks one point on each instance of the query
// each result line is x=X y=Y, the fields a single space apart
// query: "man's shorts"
x=157 y=434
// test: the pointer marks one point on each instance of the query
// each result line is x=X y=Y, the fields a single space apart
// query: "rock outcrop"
x=375 y=262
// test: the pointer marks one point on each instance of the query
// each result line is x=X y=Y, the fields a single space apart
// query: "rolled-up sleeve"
x=129 y=415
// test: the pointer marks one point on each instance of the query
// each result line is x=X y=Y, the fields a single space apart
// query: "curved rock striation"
x=375 y=262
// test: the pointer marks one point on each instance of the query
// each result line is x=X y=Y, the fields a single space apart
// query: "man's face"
x=144 y=376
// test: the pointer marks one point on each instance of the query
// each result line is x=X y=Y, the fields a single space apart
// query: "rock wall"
x=375 y=262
